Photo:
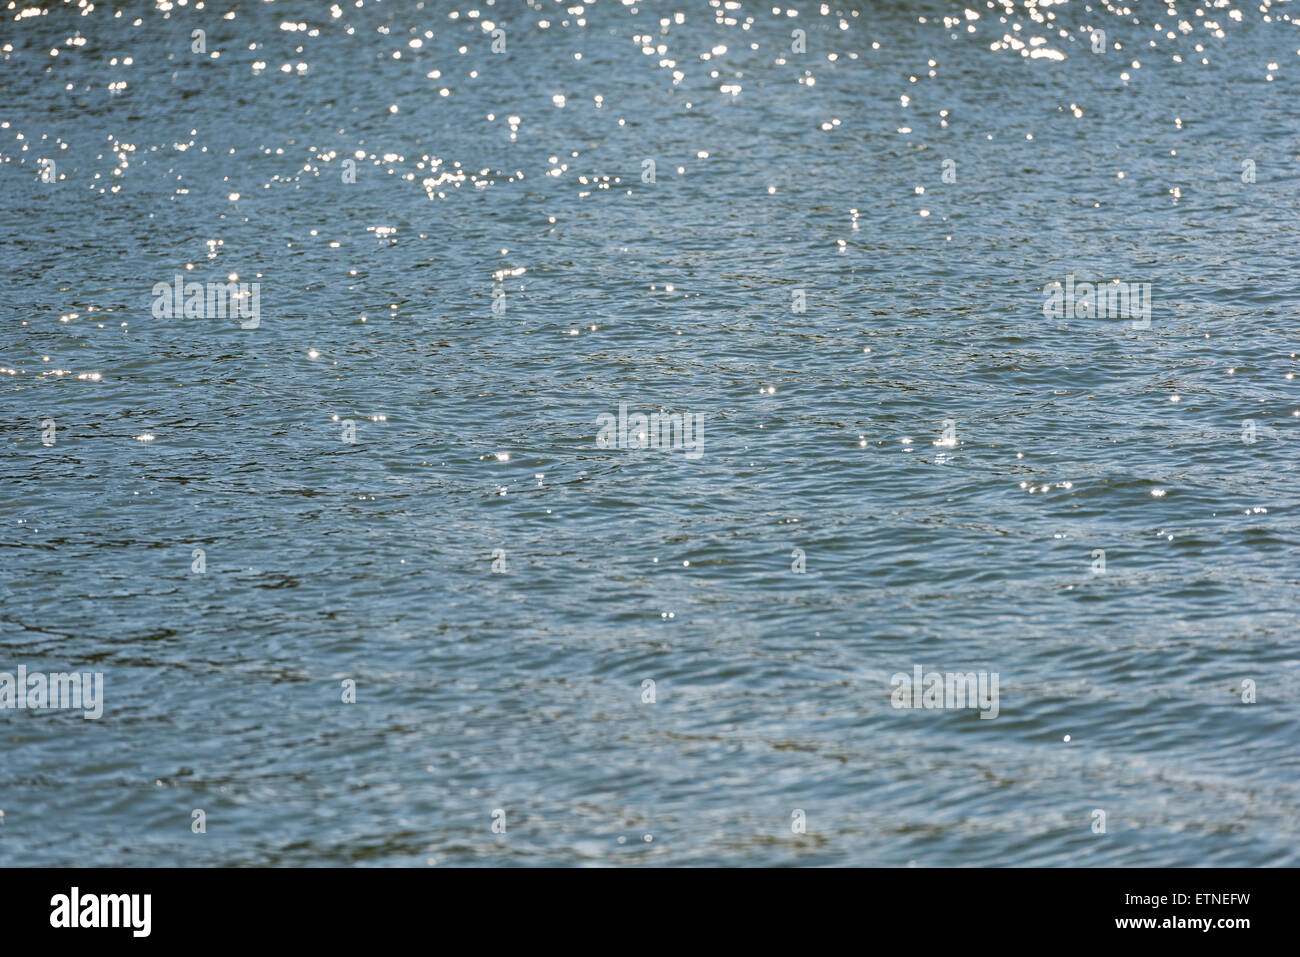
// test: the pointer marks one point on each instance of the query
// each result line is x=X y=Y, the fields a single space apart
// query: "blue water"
x=781 y=179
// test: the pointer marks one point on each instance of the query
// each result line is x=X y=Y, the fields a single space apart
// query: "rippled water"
x=948 y=459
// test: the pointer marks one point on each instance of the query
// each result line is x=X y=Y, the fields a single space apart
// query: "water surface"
x=814 y=178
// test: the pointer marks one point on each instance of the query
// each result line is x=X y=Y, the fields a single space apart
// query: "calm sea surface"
x=826 y=230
